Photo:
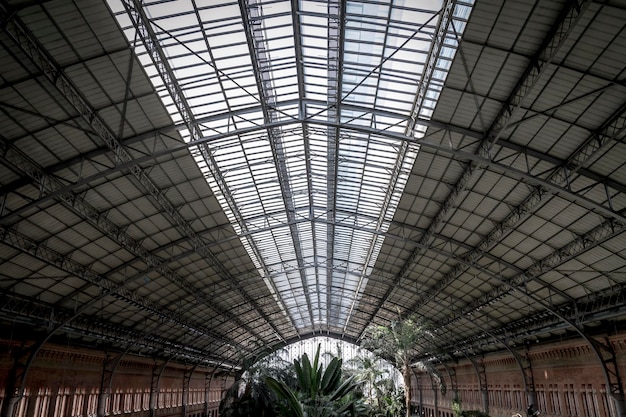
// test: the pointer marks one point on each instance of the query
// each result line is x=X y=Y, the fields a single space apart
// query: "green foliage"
x=384 y=398
x=249 y=395
x=393 y=403
x=398 y=343
x=456 y=406
x=319 y=392
x=474 y=413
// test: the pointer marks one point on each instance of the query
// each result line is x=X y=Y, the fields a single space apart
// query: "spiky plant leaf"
x=331 y=376
x=348 y=386
x=294 y=407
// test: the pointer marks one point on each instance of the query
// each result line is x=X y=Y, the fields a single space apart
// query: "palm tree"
x=397 y=342
x=371 y=372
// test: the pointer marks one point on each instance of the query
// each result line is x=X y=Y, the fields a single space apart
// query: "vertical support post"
x=108 y=369
x=208 y=379
x=453 y=381
x=157 y=372
x=16 y=379
x=523 y=362
x=418 y=384
x=615 y=388
x=435 y=389
x=54 y=396
x=481 y=374
x=186 y=383
x=421 y=394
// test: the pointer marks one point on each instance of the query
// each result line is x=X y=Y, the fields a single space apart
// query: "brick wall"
x=568 y=377
x=65 y=382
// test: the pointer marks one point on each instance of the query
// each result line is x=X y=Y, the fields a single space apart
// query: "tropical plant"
x=319 y=392
x=249 y=395
x=474 y=413
x=393 y=402
x=457 y=409
x=398 y=342
x=369 y=371
x=381 y=392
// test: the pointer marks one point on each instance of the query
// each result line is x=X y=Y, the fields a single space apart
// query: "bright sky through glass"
x=295 y=103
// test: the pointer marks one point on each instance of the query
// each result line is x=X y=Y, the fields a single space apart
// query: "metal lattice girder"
x=49 y=184
x=549 y=185
x=612 y=131
x=481 y=375
x=523 y=362
x=268 y=98
x=604 y=351
x=560 y=177
x=591 y=239
x=503 y=168
x=536 y=68
x=336 y=40
x=17 y=306
x=108 y=287
x=452 y=375
x=532 y=74
x=45 y=315
x=595 y=307
x=142 y=25
x=522 y=277
x=606 y=355
x=444 y=27
x=108 y=369
x=21 y=36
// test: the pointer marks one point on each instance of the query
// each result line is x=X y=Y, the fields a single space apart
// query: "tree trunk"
x=406 y=373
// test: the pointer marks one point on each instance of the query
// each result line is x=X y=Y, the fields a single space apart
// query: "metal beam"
x=612 y=130
x=523 y=362
x=591 y=239
x=603 y=351
x=481 y=375
x=532 y=74
x=107 y=287
x=38 y=314
x=22 y=38
x=537 y=67
x=336 y=36
x=525 y=174
x=155 y=384
x=108 y=369
x=407 y=238
x=268 y=96
x=89 y=213
x=144 y=29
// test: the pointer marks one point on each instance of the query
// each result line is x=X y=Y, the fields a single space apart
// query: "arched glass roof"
x=201 y=181
x=353 y=356
x=277 y=82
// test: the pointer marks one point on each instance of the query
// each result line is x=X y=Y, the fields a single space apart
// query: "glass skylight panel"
x=277 y=184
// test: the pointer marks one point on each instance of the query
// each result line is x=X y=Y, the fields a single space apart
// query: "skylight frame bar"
x=335 y=53
x=144 y=29
x=367 y=195
x=258 y=43
x=368 y=119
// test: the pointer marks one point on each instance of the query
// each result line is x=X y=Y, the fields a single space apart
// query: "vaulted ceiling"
x=204 y=180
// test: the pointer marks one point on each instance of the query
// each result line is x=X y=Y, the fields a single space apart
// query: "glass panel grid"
x=237 y=68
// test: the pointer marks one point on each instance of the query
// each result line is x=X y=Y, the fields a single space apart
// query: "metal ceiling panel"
x=331 y=166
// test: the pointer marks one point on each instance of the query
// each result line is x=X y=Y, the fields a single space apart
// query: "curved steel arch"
x=24 y=361
x=20 y=35
x=523 y=363
x=504 y=169
x=603 y=351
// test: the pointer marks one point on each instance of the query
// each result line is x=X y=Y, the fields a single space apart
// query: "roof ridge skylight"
x=307 y=109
